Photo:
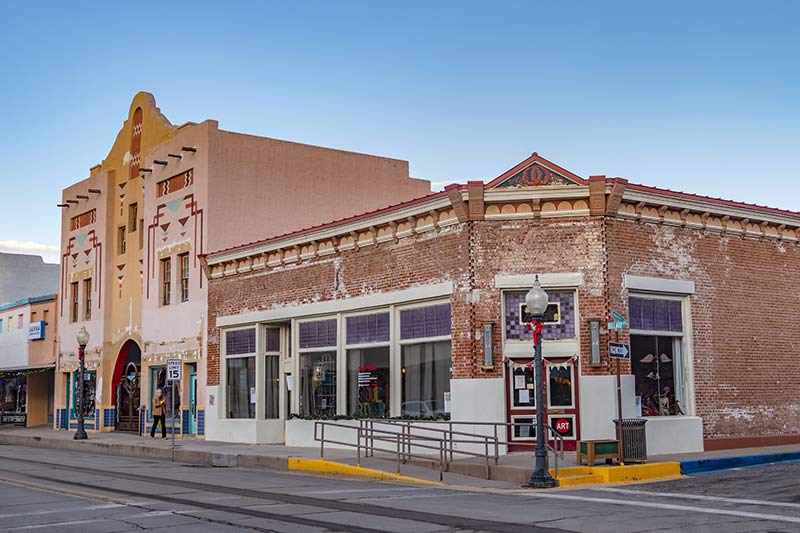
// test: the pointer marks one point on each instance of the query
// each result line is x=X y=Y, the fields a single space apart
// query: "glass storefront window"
x=89 y=387
x=559 y=386
x=318 y=383
x=655 y=366
x=426 y=373
x=273 y=386
x=522 y=386
x=158 y=380
x=14 y=391
x=240 y=375
x=656 y=354
x=368 y=382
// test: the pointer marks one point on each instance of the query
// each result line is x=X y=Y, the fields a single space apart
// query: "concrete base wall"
x=246 y=430
x=674 y=434
x=599 y=405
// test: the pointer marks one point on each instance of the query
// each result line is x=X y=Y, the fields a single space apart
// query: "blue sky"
x=696 y=96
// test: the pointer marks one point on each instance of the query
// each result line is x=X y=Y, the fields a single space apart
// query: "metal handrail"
x=403 y=442
x=448 y=436
x=557 y=450
x=559 y=440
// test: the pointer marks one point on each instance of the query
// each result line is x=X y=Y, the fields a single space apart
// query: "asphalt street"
x=49 y=490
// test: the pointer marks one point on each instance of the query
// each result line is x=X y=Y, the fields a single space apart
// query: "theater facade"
x=418 y=310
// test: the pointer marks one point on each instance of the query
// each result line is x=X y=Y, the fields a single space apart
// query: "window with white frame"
x=657 y=335
x=426 y=364
x=368 y=366
x=317 y=351
x=240 y=373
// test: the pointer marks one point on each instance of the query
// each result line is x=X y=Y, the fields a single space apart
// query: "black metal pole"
x=540 y=478
x=81 y=433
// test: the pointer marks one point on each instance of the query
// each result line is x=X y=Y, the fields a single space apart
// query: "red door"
x=560 y=398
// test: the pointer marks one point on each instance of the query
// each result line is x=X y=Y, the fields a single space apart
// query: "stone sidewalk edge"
x=699 y=466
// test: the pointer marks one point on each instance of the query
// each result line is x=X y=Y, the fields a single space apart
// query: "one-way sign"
x=619 y=350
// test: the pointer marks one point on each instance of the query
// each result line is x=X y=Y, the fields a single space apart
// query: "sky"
x=699 y=96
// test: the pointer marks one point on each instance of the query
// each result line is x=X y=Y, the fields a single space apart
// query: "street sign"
x=617 y=325
x=173 y=370
x=619 y=350
x=619 y=319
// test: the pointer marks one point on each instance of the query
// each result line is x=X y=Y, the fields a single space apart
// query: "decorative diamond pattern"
x=517 y=330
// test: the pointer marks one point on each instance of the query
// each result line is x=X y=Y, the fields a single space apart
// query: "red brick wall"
x=744 y=319
x=412 y=261
x=498 y=247
x=540 y=246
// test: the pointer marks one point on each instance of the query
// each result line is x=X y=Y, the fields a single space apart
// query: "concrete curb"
x=321 y=466
x=197 y=457
x=700 y=466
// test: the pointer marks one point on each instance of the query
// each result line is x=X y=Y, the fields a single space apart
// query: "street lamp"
x=536 y=301
x=83 y=340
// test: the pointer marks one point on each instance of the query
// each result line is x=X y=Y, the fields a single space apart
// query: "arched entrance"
x=127 y=385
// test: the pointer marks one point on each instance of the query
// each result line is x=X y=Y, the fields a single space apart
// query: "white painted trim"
x=385 y=299
x=519 y=281
x=641 y=283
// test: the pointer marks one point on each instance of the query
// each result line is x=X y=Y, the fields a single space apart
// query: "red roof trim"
x=535 y=158
x=311 y=229
x=719 y=201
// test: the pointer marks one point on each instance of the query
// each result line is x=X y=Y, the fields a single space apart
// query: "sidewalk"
x=512 y=470
x=223 y=454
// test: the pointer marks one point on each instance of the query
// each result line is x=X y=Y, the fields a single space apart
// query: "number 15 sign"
x=174 y=369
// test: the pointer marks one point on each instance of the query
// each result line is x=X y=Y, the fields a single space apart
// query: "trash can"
x=634 y=440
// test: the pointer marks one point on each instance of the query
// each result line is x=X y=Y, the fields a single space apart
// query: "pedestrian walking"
x=159 y=414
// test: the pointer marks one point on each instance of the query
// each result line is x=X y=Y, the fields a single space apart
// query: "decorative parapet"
x=598 y=197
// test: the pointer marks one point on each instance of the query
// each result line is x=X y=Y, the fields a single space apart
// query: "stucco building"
x=132 y=233
x=28 y=333
x=388 y=313
x=22 y=275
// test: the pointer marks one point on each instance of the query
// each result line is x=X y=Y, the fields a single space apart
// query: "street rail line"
x=358 y=508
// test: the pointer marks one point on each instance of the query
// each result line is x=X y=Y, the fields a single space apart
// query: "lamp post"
x=536 y=300
x=83 y=340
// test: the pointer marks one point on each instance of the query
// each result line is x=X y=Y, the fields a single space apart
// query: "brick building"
x=387 y=313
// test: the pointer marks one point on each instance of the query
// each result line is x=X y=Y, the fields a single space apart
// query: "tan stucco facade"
x=180 y=192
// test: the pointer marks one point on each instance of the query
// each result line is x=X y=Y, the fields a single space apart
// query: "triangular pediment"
x=535 y=171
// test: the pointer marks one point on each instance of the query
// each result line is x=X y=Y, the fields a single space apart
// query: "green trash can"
x=634 y=440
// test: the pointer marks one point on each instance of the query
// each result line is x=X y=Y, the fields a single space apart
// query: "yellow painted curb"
x=321 y=466
x=617 y=474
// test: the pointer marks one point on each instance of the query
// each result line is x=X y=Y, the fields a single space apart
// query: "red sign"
x=563 y=426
